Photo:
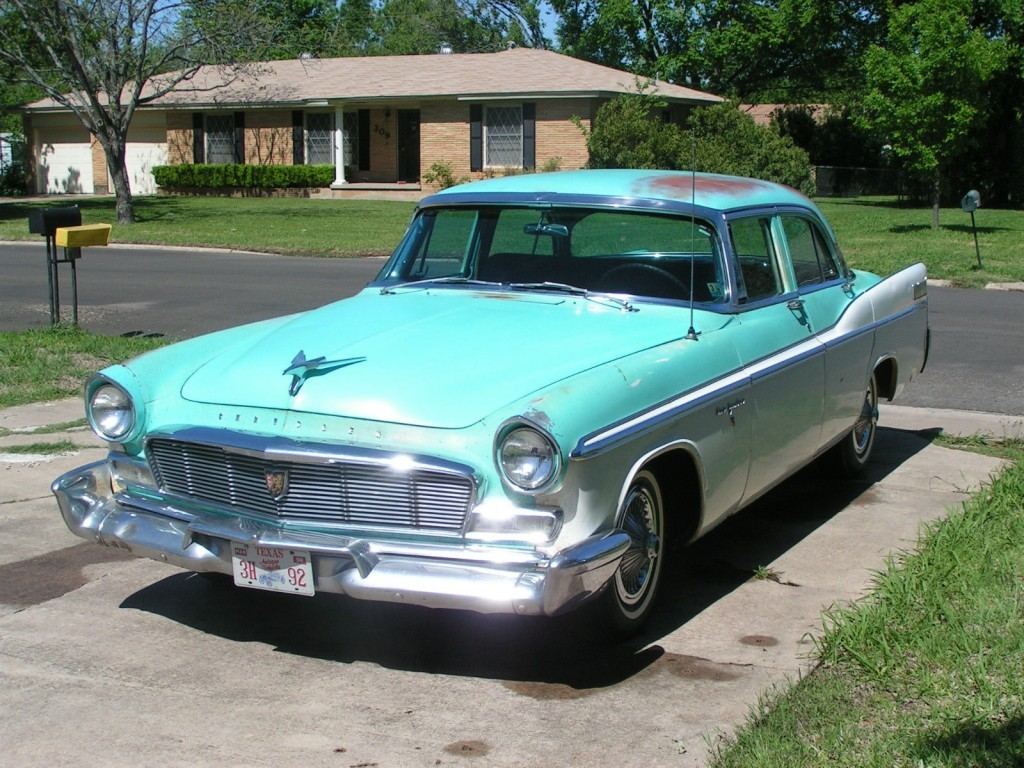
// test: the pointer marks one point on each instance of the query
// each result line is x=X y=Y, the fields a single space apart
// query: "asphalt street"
x=976 y=363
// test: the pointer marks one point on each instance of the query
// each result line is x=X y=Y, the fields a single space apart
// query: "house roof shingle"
x=515 y=72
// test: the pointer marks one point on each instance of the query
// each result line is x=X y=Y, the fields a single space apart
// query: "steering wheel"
x=614 y=274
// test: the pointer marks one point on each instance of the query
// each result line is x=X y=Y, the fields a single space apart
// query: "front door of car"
x=824 y=293
x=780 y=351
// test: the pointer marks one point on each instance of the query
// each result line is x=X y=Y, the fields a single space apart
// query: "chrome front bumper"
x=478 y=578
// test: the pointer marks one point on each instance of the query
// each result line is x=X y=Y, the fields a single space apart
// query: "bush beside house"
x=629 y=132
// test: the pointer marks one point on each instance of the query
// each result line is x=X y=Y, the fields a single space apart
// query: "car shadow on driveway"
x=564 y=651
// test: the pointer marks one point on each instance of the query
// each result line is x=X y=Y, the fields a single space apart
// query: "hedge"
x=221 y=176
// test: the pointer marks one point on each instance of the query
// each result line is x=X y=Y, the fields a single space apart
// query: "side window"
x=758 y=272
x=510 y=235
x=445 y=249
x=813 y=261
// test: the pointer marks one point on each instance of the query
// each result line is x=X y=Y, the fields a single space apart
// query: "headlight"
x=111 y=412
x=528 y=459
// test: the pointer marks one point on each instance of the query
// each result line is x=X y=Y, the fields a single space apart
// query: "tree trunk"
x=936 y=198
x=119 y=176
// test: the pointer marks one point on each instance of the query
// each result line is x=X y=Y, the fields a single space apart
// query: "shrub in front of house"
x=729 y=141
x=213 y=176
x=629 y=132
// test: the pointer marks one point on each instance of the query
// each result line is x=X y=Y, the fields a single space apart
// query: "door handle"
x=797 y=305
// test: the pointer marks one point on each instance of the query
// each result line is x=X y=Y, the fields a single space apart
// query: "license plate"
x=272 y=568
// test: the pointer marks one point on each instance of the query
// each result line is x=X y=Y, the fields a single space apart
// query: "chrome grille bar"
x=342 y=490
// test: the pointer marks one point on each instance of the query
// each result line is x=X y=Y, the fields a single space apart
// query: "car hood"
x=438 y=358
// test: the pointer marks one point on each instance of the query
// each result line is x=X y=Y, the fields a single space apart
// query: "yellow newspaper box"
x=83 y=235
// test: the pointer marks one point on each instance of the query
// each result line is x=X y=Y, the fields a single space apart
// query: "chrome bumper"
x=487 y=580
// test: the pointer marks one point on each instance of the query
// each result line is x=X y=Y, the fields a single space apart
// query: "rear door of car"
x=779 y=349
x=824 y=293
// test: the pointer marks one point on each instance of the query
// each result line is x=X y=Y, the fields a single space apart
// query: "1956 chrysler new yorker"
x=549 y=373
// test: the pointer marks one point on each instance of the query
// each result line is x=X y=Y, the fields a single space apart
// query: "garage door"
x=146 y=147
x=65 y=161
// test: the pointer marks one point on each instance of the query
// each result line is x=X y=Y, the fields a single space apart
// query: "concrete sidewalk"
x=149 y=665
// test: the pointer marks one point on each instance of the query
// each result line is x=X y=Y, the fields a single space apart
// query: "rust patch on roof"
x=681 y=186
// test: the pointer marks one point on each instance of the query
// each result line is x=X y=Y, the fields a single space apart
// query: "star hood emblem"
x=302 y=368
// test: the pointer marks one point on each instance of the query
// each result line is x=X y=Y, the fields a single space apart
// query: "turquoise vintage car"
x=551 y=374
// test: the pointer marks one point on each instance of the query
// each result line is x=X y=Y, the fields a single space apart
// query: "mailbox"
x=83 y=235
x=62 y=227
x=46 y=221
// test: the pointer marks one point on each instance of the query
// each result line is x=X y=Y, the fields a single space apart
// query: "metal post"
x=55 y=317
x=977 y=250
x=69 y=253
x=50 y=267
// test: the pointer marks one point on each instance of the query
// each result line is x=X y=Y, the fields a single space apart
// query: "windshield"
x=632 y=253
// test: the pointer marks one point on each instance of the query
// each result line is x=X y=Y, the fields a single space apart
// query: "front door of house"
x=409 y=145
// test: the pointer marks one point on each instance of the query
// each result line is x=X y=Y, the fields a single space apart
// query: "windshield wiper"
x=449 y=280
x=575 y=290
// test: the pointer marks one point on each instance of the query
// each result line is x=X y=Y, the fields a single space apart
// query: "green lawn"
x=875 y=233
x=51 y=364
x=878 y=235
x=276 y=225
x=927 y=671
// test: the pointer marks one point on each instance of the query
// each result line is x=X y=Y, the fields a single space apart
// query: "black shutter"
x=239 y=137
x=364 y=139
x=529 y=136
x=198 y=139
x=476 y=137
x=298 y=139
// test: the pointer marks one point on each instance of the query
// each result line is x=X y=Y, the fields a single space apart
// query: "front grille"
x=352 y=492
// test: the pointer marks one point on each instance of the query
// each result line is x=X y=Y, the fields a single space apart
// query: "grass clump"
x=926 y=671
x=47 y=449
x=50 y=364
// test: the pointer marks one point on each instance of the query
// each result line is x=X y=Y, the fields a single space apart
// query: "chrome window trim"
x=712 y=216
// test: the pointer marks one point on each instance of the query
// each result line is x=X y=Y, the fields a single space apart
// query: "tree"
x=103 y=59
x=754 y=49
x=927 y=87
x=468 y=26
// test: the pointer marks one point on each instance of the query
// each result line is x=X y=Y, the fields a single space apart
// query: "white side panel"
x=64 y=161
x=140 y=157
x=146 y=147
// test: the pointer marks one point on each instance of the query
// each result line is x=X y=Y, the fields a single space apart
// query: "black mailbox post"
x=45 y=222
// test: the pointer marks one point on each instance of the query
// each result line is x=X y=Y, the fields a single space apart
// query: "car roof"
x=704 y=190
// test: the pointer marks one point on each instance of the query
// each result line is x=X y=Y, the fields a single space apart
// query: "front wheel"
x=853 y=453
x=627 y=600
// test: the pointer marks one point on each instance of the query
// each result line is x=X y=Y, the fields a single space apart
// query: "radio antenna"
x=691 y=334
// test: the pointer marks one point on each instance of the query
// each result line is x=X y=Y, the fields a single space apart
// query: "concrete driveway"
x=110 y=660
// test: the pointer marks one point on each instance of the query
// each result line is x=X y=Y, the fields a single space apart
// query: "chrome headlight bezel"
x=551 y=456
x=121 y=420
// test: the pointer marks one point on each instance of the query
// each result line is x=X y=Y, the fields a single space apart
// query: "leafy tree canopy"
x=767 y=50
x=928 y=86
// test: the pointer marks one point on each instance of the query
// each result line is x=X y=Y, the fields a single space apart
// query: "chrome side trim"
x=605 y=438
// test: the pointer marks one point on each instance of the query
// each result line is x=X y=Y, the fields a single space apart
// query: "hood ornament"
x=302 y=369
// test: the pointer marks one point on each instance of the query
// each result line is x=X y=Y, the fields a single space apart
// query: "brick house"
x=382 y=121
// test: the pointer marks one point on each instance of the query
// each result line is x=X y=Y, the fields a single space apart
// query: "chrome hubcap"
x=864 y=429
x=638 y=564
